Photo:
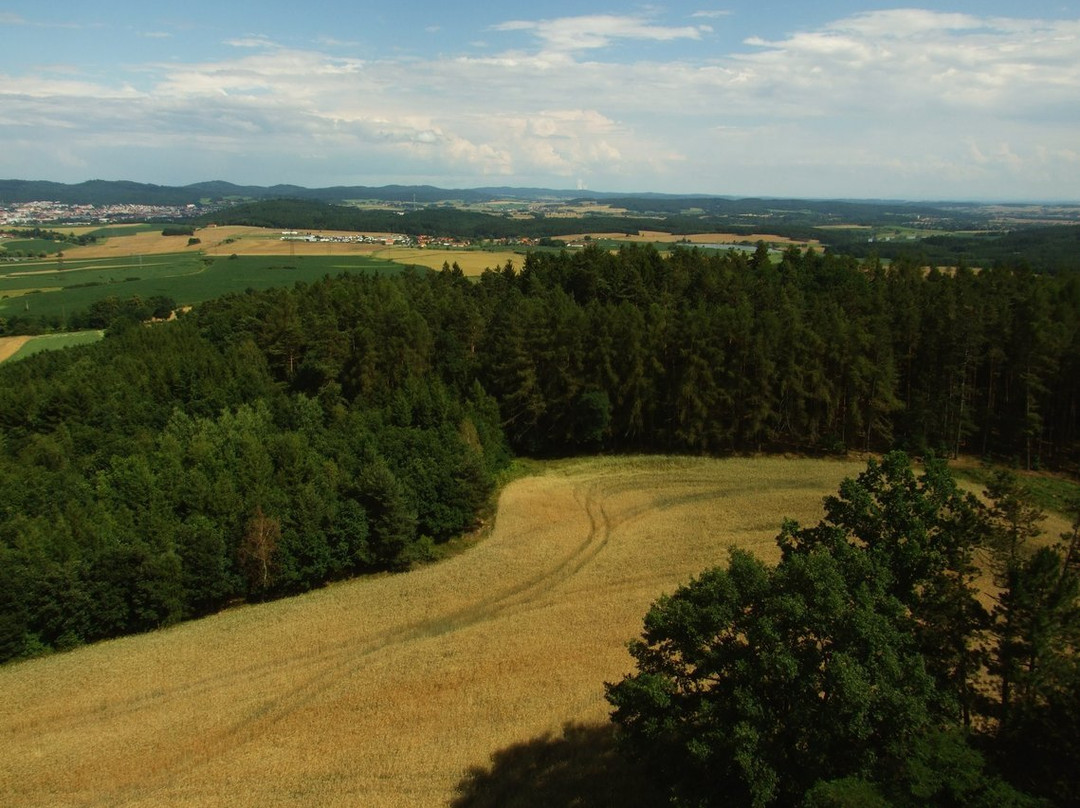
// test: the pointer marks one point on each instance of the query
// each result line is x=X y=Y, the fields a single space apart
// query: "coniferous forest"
x=269 y=442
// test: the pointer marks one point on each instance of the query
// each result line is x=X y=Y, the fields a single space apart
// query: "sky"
x=834 y=99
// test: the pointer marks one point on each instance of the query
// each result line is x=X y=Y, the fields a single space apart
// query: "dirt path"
x=389 y=691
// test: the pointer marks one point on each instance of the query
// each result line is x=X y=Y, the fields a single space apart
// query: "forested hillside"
x=718 y=353
x=436 y=221
x=1054 y=248
x=271 y=441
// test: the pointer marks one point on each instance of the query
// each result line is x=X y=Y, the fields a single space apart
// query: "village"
x=399 y=240
x=47 y=212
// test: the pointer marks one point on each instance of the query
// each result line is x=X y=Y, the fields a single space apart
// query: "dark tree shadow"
x=582 y=768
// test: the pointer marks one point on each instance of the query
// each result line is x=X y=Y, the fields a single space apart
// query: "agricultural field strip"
x=9 y=346
x=523 y=594
x=529 y=569
x=91 y=264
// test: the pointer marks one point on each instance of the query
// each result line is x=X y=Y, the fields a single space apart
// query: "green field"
x=52 y=342
x=32 y=246
x=122 y=230
x=56 y=288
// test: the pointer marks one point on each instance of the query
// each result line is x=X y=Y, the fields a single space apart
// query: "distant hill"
x=942 y=233
x=95 y=192
x=106 y=192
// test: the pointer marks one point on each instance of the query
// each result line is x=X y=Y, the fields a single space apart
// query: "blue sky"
x=954 y=100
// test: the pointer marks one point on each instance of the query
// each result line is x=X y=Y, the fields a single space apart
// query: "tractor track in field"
x=483 y=649
x=334 y=668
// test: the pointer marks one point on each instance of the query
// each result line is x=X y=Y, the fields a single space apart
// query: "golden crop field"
x=9 y=346
x=137 y=243
x=399 y=690
x=472 y=262
x=242 y=240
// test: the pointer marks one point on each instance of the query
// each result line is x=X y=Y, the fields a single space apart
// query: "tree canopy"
x=364 y=418
x=847 y=673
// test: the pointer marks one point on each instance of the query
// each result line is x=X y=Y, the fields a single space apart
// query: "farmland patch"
x=472 y=262
x=396 y=691
x=9 y=346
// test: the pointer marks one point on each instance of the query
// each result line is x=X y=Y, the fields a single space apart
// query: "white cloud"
x=10 y=18
x=894 y=103
x=921 y=63
x=598 y=31
x=256 y=41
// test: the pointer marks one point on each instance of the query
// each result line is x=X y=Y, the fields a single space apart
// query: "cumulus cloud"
x=920 y=62
x=893 y=103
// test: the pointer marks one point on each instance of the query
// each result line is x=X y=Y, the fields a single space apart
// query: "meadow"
x=22 y=347
x=137 y=260
x=475 y=681
x=45 y=289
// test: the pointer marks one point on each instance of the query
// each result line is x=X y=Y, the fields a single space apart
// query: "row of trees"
x=450 y=221
x=715 y=353
x=45 y=234
x=864 y=669
x=269 y=441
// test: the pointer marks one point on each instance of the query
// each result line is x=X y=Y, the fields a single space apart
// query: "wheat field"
x=431 y=687
x=9 y=346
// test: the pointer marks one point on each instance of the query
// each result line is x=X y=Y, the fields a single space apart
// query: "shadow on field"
x=582 y=768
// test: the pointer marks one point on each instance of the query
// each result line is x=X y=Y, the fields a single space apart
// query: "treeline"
x=270 y=441
x=1053 y=249
x=41 y=234
x=865 y=669
x=804 y=212
x=171 y=470
x=718 y=353
x=436 y=221
x=447 y=221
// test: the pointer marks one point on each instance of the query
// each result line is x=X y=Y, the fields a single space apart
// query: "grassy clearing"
x=51 y=342
x=114 y=230
x=1053 y=494
x=32 y=245
x=447 y=683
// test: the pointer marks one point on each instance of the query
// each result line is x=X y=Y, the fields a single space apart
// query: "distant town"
x=35 y=213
